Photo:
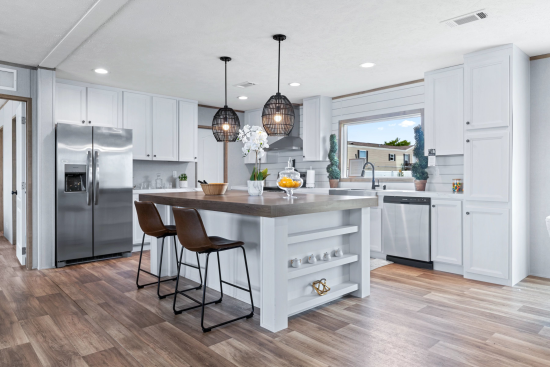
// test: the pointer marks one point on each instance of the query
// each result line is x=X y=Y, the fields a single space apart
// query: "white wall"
x=540 y=173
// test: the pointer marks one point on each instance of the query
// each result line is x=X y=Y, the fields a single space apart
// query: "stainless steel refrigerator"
x=93 y=193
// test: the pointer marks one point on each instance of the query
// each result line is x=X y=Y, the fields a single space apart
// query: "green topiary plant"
x=332 y=168
x=419 y=167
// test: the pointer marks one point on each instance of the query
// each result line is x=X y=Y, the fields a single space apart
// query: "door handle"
x=89 y=177
x=96 y=186
x=14 y=192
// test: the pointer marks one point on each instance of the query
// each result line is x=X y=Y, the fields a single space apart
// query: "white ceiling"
x=172 y=46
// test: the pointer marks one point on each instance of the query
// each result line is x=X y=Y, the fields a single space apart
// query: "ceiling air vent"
x=466 y=18
x=245 y=84
x=8 y=79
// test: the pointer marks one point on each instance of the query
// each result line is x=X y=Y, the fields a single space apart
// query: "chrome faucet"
x=363 y=175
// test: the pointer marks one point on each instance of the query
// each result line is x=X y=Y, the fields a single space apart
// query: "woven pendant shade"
x=278 y=112
x=278 y=116
x=226 y=125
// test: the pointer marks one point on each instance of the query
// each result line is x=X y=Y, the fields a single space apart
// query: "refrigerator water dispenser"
x=75 y=177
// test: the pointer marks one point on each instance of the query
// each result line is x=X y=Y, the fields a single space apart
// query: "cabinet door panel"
x=165 y=129
x=311 y=129
x=487 y=90
x=444 y=112
x=102 y=108
x=138 y=117
x=487 y=166
x=188 y=127
x=486 y=241
x=70 y=104
x=446 y=231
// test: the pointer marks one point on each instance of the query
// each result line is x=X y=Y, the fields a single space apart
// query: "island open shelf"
x=275 y=230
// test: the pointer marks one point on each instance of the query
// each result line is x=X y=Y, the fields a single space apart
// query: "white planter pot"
x=183 y=184
x=255 y=188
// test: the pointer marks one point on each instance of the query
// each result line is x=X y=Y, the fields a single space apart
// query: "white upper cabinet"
x=486 y=241
x=76 y=104
x=487 y=166
x=487 y=89
x=70 y=104
x=138 y=117
x=446 y=228
x=102 y=107
x=317 y=120
x=188 y=131
x=443 y=123
x=165 y=129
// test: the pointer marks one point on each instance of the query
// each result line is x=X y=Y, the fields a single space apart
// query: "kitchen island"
x=275 y=230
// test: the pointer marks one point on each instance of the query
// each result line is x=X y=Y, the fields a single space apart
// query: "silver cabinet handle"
x=96 y=187
x=89 y=178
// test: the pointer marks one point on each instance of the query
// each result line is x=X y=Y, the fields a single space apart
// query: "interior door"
x=210 y=159
x=21 y=232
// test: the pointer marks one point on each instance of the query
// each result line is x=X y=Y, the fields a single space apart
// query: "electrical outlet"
x=175 y=174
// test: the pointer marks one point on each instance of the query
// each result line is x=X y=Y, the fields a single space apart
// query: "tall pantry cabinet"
x=496 y=165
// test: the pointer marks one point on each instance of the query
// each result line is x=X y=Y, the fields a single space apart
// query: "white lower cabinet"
x=137 y=232
x=446 y=231
x=376 y=229
x=486 y=241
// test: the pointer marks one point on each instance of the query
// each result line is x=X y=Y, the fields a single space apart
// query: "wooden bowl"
x=214 y=188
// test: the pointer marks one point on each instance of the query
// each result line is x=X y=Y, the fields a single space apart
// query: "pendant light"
x=278 y=112
x=226 y=124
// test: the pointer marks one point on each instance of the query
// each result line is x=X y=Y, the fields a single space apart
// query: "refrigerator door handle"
x=96 y=186
x=89 y=178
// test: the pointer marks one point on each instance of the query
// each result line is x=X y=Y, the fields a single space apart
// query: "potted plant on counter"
x=254 y=140
x=183 y=180
x=419 y=167
x=332 y=168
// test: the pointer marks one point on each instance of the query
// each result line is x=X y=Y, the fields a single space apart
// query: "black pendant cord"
x=225 y=83
x=279 y=69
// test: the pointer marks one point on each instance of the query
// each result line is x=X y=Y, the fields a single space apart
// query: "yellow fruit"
x=296 y=184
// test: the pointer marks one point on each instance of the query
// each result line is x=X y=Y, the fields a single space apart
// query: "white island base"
x=280 y=290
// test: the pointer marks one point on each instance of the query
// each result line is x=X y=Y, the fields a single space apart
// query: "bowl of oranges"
x=289 y=180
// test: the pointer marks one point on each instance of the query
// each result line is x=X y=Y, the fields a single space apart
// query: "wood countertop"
x=271 y=204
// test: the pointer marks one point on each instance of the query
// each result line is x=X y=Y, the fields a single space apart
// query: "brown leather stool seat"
x=151 y=224
x=193 y=237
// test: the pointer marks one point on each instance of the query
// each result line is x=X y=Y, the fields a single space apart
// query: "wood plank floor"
x=93 y=315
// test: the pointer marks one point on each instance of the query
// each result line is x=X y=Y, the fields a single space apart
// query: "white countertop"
x=430 y=194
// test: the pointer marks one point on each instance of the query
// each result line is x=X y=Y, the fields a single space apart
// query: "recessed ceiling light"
x=294 y=84
x=367 y=65
x=242 y=97
x=101 y=71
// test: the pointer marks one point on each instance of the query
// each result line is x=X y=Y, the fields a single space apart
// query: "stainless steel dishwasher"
x=406 y=230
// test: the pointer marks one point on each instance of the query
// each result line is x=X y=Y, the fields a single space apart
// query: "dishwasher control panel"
x=407 y=200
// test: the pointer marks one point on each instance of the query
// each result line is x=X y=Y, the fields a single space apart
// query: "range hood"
x=288 y=143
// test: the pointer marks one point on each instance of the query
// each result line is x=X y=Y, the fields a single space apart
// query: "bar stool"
x=151 y=224
x=193 y=237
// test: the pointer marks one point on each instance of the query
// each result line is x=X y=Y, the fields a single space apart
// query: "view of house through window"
x=386 y=143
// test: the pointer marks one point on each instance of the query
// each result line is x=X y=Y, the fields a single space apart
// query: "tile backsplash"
x=146 y=171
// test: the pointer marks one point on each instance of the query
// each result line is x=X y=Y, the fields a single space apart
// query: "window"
x=407 y=159
x=386 y=141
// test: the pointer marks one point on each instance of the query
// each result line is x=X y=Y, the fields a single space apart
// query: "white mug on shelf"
x=296 y=263
x=338 y=252
x=326 y=256
x=311 y=259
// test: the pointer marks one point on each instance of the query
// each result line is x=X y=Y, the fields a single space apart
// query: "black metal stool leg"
x=199 y=304
x=204 y=295
x=160 y=269
x=249 y=285
x=139 y=266
x=177 y=282
x=199 y=266
x=220 y=274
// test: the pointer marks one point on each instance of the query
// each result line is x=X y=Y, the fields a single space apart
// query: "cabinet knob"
x=89 y=122
x=148 y=155
x=467 y=140
x=433 y=206
x=154 y=155
x=467 y=122
x=83 y=121
x=467 y=213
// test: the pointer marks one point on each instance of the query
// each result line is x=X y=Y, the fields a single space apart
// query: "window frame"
x=342 y=140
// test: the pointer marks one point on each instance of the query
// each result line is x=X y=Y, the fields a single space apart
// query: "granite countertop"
x=270 y=204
